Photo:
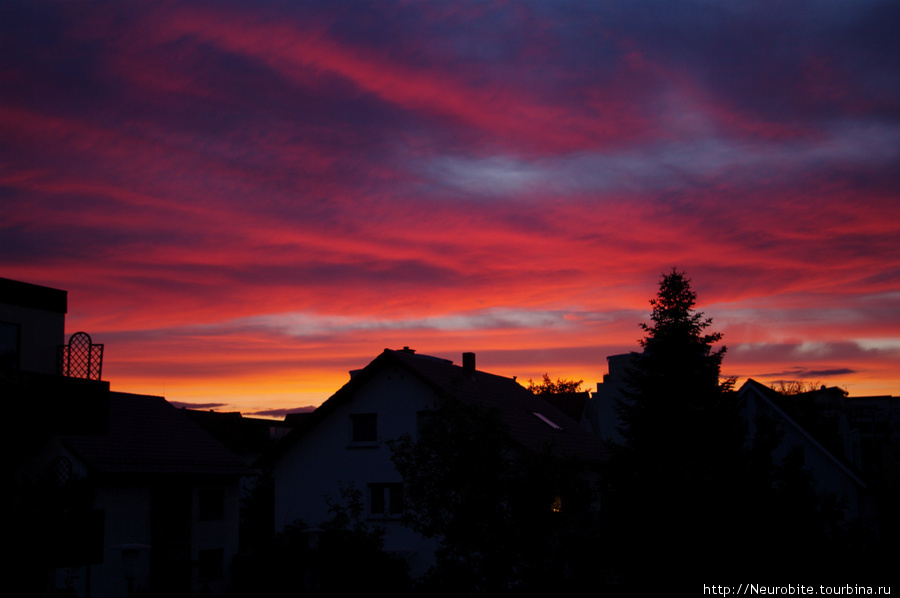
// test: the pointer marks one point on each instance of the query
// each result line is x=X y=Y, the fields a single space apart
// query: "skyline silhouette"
x=246 y=202
x=130 y=491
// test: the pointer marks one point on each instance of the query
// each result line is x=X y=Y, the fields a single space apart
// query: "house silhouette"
x=343 y=441
x=111 y=493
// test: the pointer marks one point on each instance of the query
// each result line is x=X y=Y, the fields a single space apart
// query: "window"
x=211 y=505
x=386 y=500
x=556 y=505
x=61 y=471
x=364 y=428
x=9 y=345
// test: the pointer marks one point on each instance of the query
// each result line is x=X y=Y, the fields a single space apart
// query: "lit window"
x=364 y=427
x=386 y=500
x=556 y=506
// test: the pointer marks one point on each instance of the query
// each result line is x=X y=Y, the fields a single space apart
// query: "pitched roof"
x=773 y=399
x=572 y=404
x=532 y=422
x=147 y=435
x=244 y=436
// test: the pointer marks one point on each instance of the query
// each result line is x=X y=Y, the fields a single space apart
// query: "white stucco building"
x=342 y=442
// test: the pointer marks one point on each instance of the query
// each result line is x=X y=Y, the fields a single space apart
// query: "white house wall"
x=215 y=534
x=325 y=458
x=126 y=512
x=829 y=475
x=40 y=333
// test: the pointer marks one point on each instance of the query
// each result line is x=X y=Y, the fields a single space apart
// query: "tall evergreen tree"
x=674 y=389
x=677 y=474
x=688 y=491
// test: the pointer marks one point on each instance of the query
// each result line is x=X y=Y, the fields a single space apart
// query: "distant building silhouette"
x=850 y=445
x=111 y=492
x=577 y=405
x=832 y=471
x=608 y=394
x=32 y=325
x=859 y=436
x=247 y=437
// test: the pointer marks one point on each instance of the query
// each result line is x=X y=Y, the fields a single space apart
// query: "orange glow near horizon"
x=245 y=202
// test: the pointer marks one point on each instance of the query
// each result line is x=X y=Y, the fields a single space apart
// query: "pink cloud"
x=247 y=204
x=303 y=53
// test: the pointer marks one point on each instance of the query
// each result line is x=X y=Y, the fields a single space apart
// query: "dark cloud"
x=804 y=374
x=280 y=413
x=210 y=406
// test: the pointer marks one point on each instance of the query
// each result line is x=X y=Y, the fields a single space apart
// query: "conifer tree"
x=674 y=388
x=688 y=489
x=677 y=476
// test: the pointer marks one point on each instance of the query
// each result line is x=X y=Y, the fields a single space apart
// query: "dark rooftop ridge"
x=25 y=294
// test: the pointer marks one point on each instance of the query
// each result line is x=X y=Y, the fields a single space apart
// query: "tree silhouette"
x=560 y=387
x=791 y=388
x=676 y=476
x=313 y=561
x=688 y=489
x=506 y=520
x=674 y=387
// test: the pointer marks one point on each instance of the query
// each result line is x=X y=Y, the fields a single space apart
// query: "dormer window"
x=364 y=428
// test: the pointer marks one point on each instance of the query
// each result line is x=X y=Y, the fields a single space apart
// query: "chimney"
x=469 y=362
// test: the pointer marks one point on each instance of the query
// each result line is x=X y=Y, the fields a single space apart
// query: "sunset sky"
x=245 y=200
